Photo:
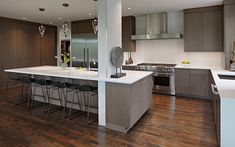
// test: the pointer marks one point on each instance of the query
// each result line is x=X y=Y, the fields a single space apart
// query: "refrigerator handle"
x=84 y=57
x=88 y=58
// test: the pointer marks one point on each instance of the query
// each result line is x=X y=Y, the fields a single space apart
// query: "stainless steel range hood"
x=156 y=28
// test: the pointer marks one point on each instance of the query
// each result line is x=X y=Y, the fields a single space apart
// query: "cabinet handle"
x=214 y=89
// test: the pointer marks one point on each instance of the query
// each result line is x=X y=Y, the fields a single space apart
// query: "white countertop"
x=226 y=88
x=74 y=73
x=188 y=66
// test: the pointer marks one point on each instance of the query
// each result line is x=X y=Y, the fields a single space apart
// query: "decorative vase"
x=63 y=65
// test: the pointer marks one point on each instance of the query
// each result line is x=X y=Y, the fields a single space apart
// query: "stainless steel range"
x=163 y=76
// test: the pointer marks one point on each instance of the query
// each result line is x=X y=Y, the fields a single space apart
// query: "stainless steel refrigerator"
x=84 y=50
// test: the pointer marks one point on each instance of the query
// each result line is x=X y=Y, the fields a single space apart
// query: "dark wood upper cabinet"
x=128 y=29
x=28 y=44
x=82 y=27
x=49 y=46
x=203 y=29
x=22 y=46
x=8 y=46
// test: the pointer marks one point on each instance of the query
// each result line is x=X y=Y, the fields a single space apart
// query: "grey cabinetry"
x=192 y=82
x=199 y=83
x=213 y=31
x=193 y=25
x=128 y=29
x=203 y=29
x=182 y=81
x=216 y=106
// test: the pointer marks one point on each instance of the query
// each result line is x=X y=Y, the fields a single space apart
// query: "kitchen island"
x=127 y=98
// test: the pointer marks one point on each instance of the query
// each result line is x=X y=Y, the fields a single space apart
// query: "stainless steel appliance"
x=84 y=50
x=163 y=77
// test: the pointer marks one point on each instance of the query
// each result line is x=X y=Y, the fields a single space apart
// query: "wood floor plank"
x=172 y=121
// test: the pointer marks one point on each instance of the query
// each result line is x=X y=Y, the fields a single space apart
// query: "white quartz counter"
x=74 y=73
x=226 y=88
x=197 y=67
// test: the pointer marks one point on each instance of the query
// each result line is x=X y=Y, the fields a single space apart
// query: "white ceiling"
x=79 y=9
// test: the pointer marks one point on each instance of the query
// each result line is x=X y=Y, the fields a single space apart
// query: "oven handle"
x=163 y=74
x=214 y=89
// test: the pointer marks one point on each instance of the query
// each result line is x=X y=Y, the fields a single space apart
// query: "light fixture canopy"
x=95 y=25
x=95 y=21
x=65 y=25
x=42 y=28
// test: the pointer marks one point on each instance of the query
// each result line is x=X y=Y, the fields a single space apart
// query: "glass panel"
x=161 y=81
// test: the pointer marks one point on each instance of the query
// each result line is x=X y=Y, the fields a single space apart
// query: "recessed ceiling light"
x=24 y=18
x=90 y=14
x=59 y=18
x=41 y=9
x=129 y=8
x=65 y=4
x=51 y=23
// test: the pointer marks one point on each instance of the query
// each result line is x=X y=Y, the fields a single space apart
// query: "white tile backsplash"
x=172 y=51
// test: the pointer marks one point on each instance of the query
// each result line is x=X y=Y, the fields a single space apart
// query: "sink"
x=227 y=77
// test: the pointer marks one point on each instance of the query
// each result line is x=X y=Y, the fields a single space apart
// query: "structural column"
x=109 y=37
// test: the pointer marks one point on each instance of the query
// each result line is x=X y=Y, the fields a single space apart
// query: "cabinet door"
x=128 y=29
x=1 y=53
x=28 y=44
x=182 y=81
x=79 y=27
x=9 y=45
x=193 y=35
x=48 y=46
x=212 y=31
x=89 y=27
x=199 y=83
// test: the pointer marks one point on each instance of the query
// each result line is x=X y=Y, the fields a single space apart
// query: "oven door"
x=164 y=83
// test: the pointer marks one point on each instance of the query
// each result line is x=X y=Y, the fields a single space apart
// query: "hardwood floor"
x=171 y=122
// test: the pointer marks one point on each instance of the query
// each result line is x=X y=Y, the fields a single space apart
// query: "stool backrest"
x=58 y=82
x=40 y=79
x=25 y=78
x=13 y=76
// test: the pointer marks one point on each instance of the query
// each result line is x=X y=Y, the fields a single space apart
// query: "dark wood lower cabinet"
x=22 y=46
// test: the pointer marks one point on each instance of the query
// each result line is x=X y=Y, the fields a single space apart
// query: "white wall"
x=172 y=51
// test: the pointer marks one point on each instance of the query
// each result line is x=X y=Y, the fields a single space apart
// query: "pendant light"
x=42 y=28
x=65 y=25
x=95 y=20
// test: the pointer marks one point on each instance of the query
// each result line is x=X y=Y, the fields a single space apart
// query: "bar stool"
x=13 y=80
x=59 y=85
x=40 y=82
x=72 y=87
x=88 y=91
x=26 y=82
